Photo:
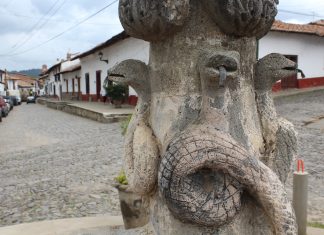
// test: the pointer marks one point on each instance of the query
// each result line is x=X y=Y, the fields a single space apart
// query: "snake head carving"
x=133 y=73
x=271 y=68
x=219 y=66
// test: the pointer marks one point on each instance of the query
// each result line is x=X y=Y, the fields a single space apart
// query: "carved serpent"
x=141 y=150
x=190 y=197
x=204 y=171
x=280 y=143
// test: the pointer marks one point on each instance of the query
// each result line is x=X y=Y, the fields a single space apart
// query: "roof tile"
x=315 y=28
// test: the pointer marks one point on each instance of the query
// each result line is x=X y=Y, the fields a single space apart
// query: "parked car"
x=4 y=107
x=10 y=100
x=31 y=99
x=8 y=105
x=18 y=100
x=15 y=93
x=14 y=100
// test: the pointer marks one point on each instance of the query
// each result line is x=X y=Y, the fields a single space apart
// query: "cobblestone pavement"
x=55 y=165
x=306 y=112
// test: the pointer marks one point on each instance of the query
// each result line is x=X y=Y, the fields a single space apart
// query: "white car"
x=31 y=99
x=18 y=99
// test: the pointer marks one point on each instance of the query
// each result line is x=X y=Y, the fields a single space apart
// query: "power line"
x=41 y=24
x=300 y=13
x=65 y=31
x=53 y=20
x=40 y=19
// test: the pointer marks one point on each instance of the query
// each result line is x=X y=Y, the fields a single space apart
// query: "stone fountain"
x=205 y=143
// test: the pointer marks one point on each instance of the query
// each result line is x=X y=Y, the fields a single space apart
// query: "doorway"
x=72 y=86
x=79 y=86
x=87 y=83
x=291 y=81
x=98 y=83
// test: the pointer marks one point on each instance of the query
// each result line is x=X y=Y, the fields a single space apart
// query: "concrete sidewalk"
x=292 y=92
x=64 y=226
x=102 y=225
x=97 y=111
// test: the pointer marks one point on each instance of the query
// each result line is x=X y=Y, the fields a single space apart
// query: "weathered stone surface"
x=153 y=20
x=206 y=121
x=280 y=142
x=243 y=17
x=141 y=150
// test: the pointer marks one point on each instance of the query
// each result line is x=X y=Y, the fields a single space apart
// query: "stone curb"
x=296 y=92
x=82 y=112
x=65 y=226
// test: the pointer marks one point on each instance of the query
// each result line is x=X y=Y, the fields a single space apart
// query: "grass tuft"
x=315 y=225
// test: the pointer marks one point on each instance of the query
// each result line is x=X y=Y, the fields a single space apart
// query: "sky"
x=27 y=25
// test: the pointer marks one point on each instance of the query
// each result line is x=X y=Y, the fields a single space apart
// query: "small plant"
x=121 y=178
x=124 y=124
x=315 y=225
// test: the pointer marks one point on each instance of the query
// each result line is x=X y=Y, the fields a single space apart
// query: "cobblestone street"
x=55 y=165
x=306 y=112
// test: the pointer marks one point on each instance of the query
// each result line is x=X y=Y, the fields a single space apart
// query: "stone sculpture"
x=205 y=143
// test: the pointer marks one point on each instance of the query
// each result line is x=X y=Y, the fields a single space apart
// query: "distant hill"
x=29 y=72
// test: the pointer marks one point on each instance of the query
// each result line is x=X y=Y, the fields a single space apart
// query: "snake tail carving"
x=141 y=149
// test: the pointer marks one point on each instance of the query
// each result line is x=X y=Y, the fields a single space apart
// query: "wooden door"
x=291 y=81
x=73 y=86
x=98 y=84
x=87 y=83
x=79 y=86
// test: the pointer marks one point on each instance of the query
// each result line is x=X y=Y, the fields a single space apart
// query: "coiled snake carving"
x=197 y=49
x=204 y=171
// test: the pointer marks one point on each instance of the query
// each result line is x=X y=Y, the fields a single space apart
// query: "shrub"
x=117 y=92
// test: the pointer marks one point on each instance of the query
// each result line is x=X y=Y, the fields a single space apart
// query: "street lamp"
x=100 y=54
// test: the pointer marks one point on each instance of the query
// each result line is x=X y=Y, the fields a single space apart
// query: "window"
x=87 y=82
x=57 y=78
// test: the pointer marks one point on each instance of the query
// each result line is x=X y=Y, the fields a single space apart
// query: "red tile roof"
x=315 y=28
x=21 y=77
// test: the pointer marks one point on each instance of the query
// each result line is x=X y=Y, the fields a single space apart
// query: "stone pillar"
x=205 y=142
x=300 y=197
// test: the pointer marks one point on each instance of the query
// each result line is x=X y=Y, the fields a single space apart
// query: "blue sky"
x=17 y=34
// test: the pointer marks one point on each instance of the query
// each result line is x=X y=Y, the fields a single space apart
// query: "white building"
x=303 y=44
x=83 y=77
x=53 y=84
x=2 y=83
x=96 y=62
x=12 y=82
x=70 y=79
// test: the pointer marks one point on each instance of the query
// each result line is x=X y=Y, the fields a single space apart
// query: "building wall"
x=130 y=48
x=2 y=89
x=12 y=84
x=69 y=77
x=308 y=48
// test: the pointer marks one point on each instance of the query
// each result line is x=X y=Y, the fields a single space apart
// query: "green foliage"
x=315 y=225
x=116 y=91
x=121 y=178
x=124 y=124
